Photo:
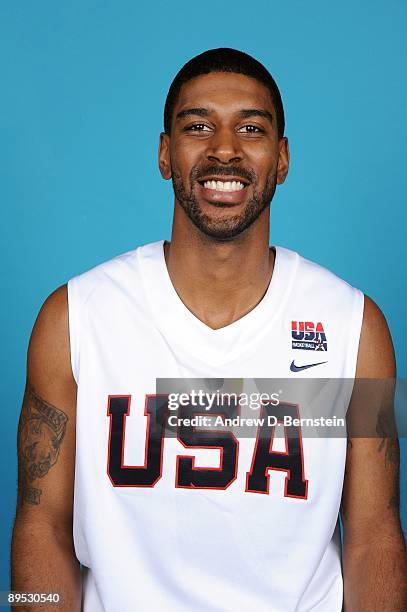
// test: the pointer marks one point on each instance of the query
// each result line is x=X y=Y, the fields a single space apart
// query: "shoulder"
x=48 y=351
x=310 y=269
x=83 y=285
x=317 y=285
x=375 y=358
x=53 y=314
x=376 y=353
x=310 y=272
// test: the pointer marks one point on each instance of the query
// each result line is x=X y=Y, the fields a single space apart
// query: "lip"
x=227 y=197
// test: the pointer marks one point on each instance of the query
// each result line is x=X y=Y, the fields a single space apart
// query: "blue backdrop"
x=82 y=91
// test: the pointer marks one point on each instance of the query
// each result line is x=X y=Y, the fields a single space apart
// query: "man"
x=179 y=524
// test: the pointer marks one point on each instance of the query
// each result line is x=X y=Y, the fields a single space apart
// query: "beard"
x=232 y=226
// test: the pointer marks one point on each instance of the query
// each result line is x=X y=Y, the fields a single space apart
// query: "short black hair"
x=223 y=60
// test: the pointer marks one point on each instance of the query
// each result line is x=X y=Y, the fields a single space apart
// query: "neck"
x=219 y=282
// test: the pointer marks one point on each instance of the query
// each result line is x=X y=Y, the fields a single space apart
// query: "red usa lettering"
x=187 y=475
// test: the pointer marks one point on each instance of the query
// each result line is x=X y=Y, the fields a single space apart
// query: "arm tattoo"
x=386 y=430
x=40 y=433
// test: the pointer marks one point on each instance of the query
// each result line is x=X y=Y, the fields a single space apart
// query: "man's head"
x=223 y=60
x=223 y=144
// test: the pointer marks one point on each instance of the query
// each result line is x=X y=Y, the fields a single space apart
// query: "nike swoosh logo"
x=295 y=368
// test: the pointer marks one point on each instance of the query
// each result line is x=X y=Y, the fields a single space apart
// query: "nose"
x=224 y=147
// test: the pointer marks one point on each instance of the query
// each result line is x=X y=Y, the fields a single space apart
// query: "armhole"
x=73 y=320
x=355 y=329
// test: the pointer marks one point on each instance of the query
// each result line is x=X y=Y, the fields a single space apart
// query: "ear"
x=164 y=156
x=283 y=160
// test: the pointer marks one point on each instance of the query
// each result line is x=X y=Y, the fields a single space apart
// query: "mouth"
x=217 y=191
x=231 y=185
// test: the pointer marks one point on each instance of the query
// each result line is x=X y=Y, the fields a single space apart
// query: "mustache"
x=201 y=172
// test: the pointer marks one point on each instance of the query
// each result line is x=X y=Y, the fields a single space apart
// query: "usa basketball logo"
x=308 y=336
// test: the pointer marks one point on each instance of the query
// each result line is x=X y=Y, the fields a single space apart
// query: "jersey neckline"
x=184 y=330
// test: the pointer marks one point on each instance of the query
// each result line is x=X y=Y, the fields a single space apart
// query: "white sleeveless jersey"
x=161 y=524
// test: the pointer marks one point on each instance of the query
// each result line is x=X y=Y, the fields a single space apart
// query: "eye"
x=250 y=129
x=198 y=127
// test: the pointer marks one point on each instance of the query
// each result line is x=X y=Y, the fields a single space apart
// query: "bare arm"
x=374 y=554
x=42 y=557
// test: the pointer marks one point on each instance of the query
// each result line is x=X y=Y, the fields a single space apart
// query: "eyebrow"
x=256 y=112
x=245 y=113
x=201 y=112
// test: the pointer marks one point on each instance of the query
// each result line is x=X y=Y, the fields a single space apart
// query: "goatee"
x=232 y=226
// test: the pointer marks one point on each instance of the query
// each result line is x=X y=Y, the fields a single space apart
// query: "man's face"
x=224 y=156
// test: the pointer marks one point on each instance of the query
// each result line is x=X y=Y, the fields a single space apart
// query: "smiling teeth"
x=224 y=186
